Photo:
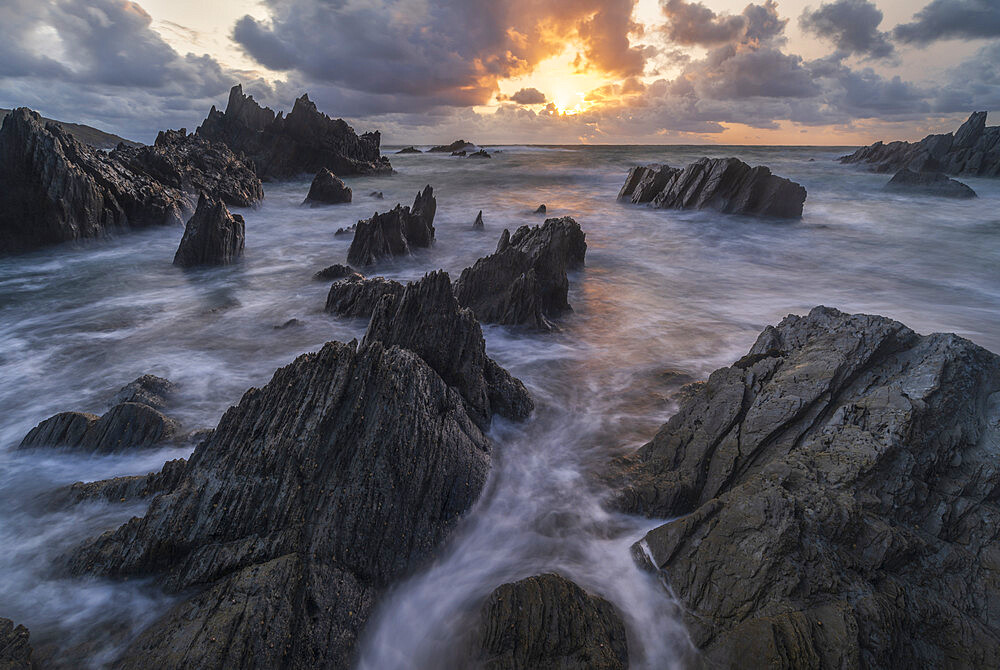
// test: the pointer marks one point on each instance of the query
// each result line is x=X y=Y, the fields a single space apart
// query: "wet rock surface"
x=525 y=281
x=15 y=646
x=337 y=271
x=548 y=621
x=482 y=153
x=973 y=150
x=212 y=236
x=327 y=189
x=454 y=147
x=928 y=183
x=305 y=141
x=395 y=232
x=357 y=296
x=834 y=496
x=128 y=488
x=726 y=185
x=146 y=390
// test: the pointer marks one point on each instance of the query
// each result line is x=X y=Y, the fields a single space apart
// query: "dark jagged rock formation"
x=461 y=154
x=395 y=232
x=15 y=646
x=409 y=150
x=542 y=209
x=478 y=223
x=974 y=150
x=128 y=488
x=146 y=390
x=305 y=141
x=377 y=195
x=124 y=426
x=482 y=153
x=928 y=183
x=327 y=189
x=349 y=230
x=457 y=145
x=835 y=500
x=549 y=622
x=524 y=282
x=56 y=189
x=94 y=137
x=213 y=236
x=192 y=164
x=428 y=320
x=357 y=296
x=337 y=271
x=727 y=185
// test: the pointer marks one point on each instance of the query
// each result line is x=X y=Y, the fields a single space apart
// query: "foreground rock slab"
x=15 y=647
x=395 y=232
x=213 y=236
x=726 y=185
x=834 y=497
x=928 y=183
x=327 y=189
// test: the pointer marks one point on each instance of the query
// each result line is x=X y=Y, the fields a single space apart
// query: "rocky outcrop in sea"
x=327 y=189
x=726 y=185
x=928 y=183
x=834 y=499
x=357 y=296
x=15 y=647
x=212 y=236
x=453 y=148
x=395 y=232
x=305 y=141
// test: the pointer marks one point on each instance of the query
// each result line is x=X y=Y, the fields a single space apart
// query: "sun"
x=564 y=84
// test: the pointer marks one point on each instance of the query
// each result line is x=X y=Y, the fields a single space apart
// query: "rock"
x=356 y=296
x=313 y=495
x=305 y=141
x=129 y=488
x=15 y=647
x=727 y=185
x=974 y=150
x=337 y=271
x=462 y=153
x=146 y=390
x=86 y=134
x=478 y=223
x=327 y=189
x=291 y=323
x=457 y=145
x=833 y=497
x=394 y=232
x=928 y=183
x=349 y=230
x=482 y=153
x=409 y=150
x=548 y=621
x=542 y=209
x=525 y=282
x=212 y=236
x=377 y=195
x=428 y=320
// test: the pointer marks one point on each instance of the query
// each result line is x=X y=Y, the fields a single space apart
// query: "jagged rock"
x=834 y=500
x=457 y=145
x=213 y=236
x=462 y=153
x=125 y=489
x=356 y=296
x=542 y=209
x=724 y=184
x=327 y=189
x=56 y=189
x=377 y=195
x=482 y=153
x=525 y=282
x=928 y=183
x=126 y=425
x=94 y=137
x=15 y=646
x=478 y=223
x=303 y=142
x=146 y=390
x=428 y=320
x=409 y=150
x=349 y=230
x=312 y=496
x=394 y=232
x=337 y=271
x=548 y=621
x=973 y=150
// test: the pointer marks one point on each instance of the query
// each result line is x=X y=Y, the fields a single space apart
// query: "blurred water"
x=665 y=297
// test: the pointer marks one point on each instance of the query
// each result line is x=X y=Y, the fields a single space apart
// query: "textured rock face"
x=123 y=489
x=395 y=232
x=356 y=296
x=305 y=141
x=146 y=390
x=549 y=622
x=428 y=320
x=327 y=189
x=311 y=496
x=724 y=184
x=525 y=282
x=212 y=236
x=835 y=499
x=15 y=648
x=928 y=183
x=126 y=425
x=337 y=271
x=973 y=150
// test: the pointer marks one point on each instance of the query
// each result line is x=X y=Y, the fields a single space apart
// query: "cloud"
x=852 y=26
x=694 y=24
x=529 y=96
x=951 y=19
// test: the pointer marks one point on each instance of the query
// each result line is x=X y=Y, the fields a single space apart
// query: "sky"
x=813 y=72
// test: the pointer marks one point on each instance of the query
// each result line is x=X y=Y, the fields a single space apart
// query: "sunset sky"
x=508 y=71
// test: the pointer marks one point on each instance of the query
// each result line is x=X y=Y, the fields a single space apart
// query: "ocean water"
x=665 y=298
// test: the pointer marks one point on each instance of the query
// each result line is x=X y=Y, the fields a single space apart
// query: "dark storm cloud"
x=529 y=96
x=947 y=19
x=692 y=23
x=852 y=26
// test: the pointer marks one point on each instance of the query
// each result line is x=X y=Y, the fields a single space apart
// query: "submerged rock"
x=327 y=189
x=549 y=622
x=146 y=390
x=394 y=232
x=482 y=153
x=928 y=183
x=478 y=223
x=349 y=230
x=377 y=195
x=356 y=296
x=15 y=646
x=409 y=150
x=834 y=499
x=337 y=271
x=305 y=141
x=213 y=236
x=525 y=282
x=462 y=153
x=726 y=185
x=457 y=145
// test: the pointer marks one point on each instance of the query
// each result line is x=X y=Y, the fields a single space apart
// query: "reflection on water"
x=666 y=297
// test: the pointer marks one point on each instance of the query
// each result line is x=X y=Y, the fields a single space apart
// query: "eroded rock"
x=129 y=488
x=928 y=183
x=395 y=232
x=356 y=296
x=213 y=236
x=337 y=271
x=146 y=390
x=15 y=646
x=457 y=145
x=327 y=189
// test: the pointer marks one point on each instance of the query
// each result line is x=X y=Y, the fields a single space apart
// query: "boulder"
x=463 y=153
x=126 y=425
x=305 y=141
x=394 y=232
x=541 y=209
x=525 y=281
x=833 y=497
x=377 y=195
x=482 y=153
x=356 y=296
x=213 y=236
x=928 y=183
x=428 y=320
x=15 y=647
x=478 y=223
x=409 y=150
x=129 y=488
x=146 y=390
x=327 y=189
x=548 y=621
x=727 y=185
x=457 y=145
x=337 y=271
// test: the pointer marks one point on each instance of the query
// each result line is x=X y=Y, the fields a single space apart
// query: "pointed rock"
x=356 y=296
x=212 y=236
x=478 y=223
x=394 y=232
x=327 y=189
